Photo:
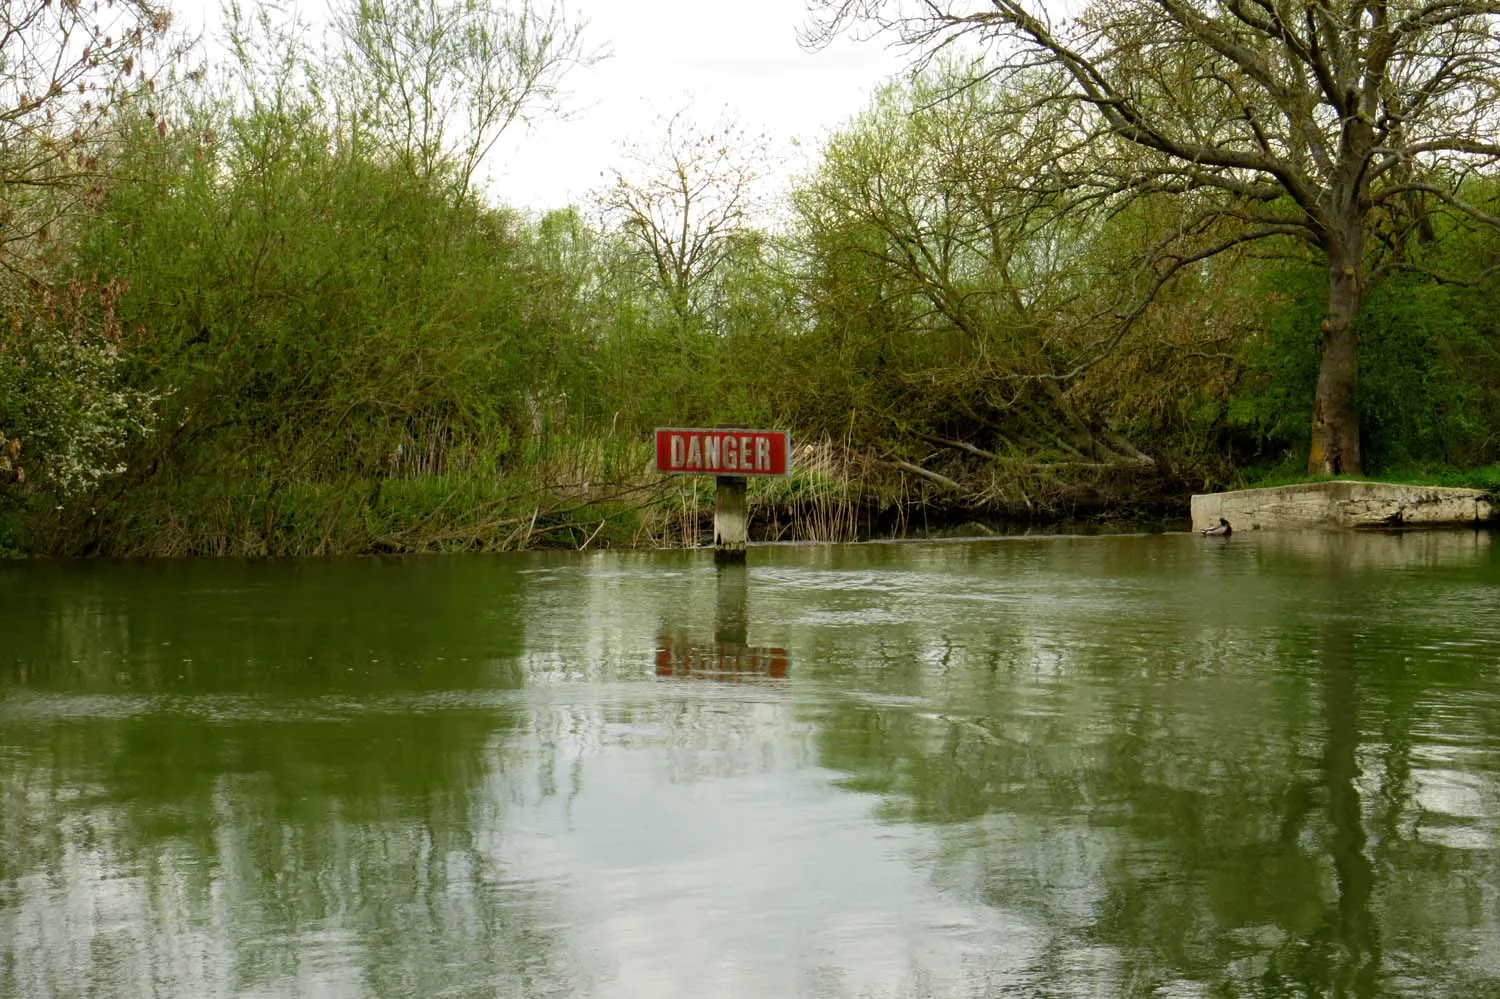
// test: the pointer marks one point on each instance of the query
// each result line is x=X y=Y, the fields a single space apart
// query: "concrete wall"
x=1343 y=505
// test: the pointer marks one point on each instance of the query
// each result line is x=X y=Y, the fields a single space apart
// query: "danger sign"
x=723 y=452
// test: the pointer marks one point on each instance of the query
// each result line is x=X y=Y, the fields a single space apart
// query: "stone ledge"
x=1344 y=504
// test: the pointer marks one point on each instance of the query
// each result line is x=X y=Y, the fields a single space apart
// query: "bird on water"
x=1221 y=529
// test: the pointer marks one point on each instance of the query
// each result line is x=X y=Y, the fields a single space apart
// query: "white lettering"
x=750 y=453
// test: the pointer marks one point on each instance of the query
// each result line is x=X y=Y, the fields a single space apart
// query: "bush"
x=66 y=414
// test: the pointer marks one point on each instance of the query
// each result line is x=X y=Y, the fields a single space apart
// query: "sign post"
x=731 y=454
x=731 y=518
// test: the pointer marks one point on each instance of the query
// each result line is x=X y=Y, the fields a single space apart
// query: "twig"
x=591 y=537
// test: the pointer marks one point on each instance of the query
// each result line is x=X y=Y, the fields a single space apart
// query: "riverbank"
x=596 y=494
x=577 y=493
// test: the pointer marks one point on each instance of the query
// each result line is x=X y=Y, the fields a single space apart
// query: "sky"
x=709 y=58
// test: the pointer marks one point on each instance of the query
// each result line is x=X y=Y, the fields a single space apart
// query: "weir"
x=1344 y=504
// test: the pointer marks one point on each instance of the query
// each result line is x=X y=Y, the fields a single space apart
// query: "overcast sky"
x=706 y=55
x=710 y=57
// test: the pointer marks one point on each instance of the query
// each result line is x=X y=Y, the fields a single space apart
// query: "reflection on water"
x=730 y=657
x=1138 y=766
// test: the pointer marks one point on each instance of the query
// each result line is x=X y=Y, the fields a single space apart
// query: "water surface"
x=1129 y=766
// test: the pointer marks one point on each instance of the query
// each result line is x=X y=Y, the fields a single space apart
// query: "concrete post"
x=731 y=519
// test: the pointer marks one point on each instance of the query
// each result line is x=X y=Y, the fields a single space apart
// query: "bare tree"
x=439 y=81
x=1345 y=124
x=65 y=67
x=687 y=204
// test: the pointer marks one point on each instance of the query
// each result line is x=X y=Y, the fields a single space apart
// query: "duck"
x=1219 y=530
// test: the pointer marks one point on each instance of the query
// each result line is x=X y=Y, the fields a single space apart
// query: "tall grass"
x=819 y=501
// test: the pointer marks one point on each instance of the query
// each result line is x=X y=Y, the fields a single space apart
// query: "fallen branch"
x=963 y=446
x=1084 y=466
x=941 y=480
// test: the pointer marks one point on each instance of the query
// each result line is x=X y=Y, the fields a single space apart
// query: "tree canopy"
x=1345 y=125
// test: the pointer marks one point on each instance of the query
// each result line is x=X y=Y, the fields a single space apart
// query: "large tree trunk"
x=1335 y=423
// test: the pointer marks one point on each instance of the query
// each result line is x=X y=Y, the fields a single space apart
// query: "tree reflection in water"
x=225 y=788
x=1221 y=797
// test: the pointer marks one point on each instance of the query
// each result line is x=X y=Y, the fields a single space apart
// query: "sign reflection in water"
x=730 y=656
x=1117 y=766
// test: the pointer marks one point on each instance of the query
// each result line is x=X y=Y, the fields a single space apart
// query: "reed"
x=821 y=499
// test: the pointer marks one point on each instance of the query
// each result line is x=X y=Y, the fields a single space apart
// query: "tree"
x=1344 y=124
x=687 y=205
x=931 y=268
x=435 y=83
x=66 y=70
x=65 y=67
x=64 y=404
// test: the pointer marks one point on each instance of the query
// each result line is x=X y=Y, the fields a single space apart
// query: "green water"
x=1132 y=766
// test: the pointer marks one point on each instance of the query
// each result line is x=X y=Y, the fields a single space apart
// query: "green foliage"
x=955 y=302
x=316 y=313
x=1270 y=414
x=1417 y=399
x=1426 y=375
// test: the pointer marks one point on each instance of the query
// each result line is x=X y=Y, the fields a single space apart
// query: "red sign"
x=724 y=452
x=718 y=662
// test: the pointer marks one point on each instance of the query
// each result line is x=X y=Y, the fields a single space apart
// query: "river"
x=1085 y=766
